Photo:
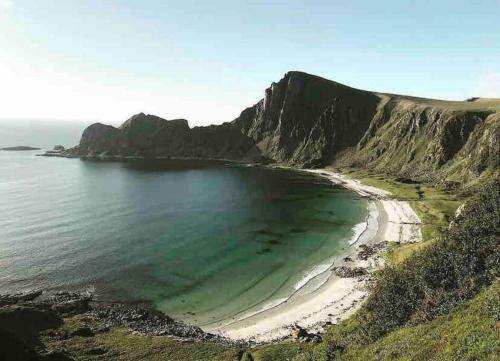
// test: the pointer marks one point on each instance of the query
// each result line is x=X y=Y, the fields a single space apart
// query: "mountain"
x=151 y=136
x=308 y=121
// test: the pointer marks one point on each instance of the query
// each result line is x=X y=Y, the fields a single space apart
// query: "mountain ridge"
x=306 y=121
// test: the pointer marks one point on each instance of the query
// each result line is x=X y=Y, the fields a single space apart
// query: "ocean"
x=201 y=241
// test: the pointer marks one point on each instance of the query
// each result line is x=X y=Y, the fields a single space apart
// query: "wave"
x=317 y=270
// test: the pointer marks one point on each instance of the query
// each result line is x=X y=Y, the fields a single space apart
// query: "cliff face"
x=430 y=140
x=305 y=121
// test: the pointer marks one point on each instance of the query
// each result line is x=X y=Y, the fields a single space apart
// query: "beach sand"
x=326 y=298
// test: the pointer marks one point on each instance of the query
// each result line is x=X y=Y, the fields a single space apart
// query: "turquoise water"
x=202 y=241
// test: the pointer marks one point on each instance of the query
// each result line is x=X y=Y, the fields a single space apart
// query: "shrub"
x=447 y=273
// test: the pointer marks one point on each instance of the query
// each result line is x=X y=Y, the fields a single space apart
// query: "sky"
x=206 y=61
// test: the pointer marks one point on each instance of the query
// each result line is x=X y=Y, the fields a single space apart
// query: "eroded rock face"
x=305 y=120
x=98 y=139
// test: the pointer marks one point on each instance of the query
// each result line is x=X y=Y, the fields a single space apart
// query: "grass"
x=467 y=333
x=470 y=332
x=434 y=207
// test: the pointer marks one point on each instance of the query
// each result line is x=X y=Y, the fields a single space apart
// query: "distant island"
x=19 y=148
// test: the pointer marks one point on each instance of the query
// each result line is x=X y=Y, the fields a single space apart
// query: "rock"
x=349 y=272
x=302 y=335
x=19 y=297
x=69 y=302
x=59 y=148
x=150 y=136
x=348 y=259
x=367 y=251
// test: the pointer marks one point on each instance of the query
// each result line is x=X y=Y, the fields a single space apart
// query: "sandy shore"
x=326 y=298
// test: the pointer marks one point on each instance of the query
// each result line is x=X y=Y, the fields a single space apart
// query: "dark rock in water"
x=59 y=148
x=19 y=148
x=264 y=250
x=349 y=272
x=348 y=259
x=273 y=242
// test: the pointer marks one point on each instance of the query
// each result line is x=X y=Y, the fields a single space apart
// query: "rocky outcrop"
x=151 y=136
x=350 y=272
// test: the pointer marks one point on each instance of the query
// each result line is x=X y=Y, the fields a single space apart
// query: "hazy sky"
x=208 y=60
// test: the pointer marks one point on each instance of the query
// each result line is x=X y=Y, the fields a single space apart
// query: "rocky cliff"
x=151 y=136
x=307 y=121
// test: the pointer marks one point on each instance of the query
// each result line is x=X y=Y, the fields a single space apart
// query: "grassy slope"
x=480 y=104
x=467 y=333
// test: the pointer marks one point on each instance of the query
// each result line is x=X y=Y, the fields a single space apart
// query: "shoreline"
x=335 y=298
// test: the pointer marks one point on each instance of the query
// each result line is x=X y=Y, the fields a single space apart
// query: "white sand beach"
x=324 y=298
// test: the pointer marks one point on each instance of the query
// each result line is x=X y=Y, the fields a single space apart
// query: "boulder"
x=349 y=272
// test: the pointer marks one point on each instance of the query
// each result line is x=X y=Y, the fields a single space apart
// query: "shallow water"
x=202 y=241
